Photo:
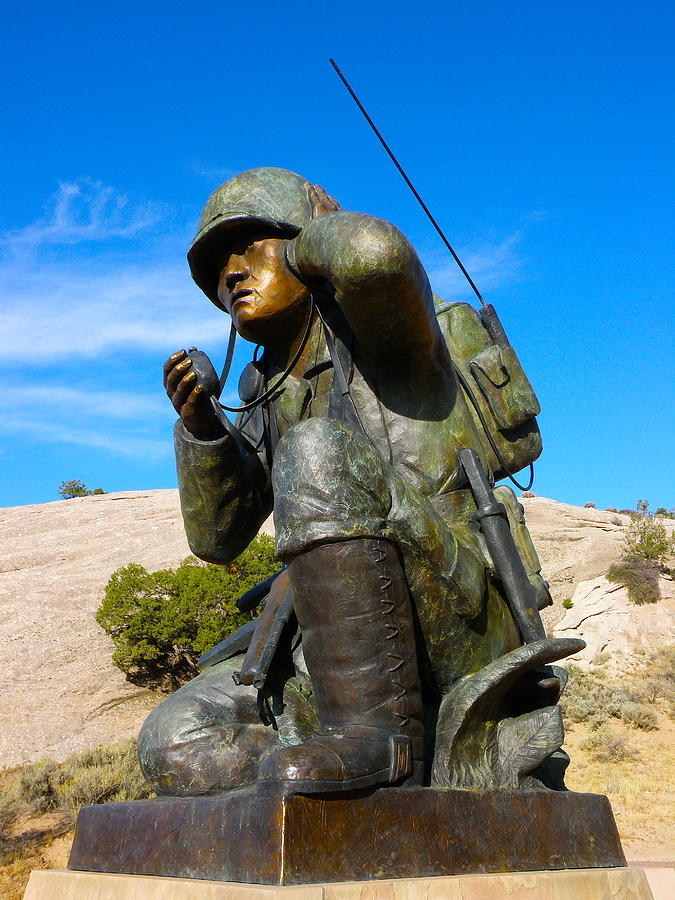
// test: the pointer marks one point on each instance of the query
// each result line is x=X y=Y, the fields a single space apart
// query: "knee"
x=322 y=455
x=307 y=447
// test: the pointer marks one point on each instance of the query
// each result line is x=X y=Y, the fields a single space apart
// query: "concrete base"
x=566 y=884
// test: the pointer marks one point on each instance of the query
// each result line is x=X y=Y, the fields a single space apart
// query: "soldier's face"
x=257 y=288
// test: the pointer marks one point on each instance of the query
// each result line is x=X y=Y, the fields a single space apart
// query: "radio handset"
x=208 y=379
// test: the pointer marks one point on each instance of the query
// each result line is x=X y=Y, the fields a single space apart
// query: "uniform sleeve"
x=379 y=283
x=225 y=495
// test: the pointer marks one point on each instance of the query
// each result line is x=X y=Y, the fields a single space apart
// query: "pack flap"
x=491 y=363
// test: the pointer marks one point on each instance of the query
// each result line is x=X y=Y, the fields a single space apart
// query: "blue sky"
x=539 y=134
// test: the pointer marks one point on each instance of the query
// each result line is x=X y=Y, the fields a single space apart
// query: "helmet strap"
x=228 y=359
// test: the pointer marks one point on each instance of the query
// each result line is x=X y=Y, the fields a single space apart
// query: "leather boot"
x=354 y=611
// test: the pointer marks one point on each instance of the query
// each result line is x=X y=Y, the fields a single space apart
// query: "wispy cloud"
x=83 y=210
x=490 y=264
x=66 y=400
x=124 y=422
x=129 y=445
x=54 y=311
x=213 y=173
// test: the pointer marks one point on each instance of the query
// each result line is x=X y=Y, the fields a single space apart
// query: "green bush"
x=161 y=622
x=568 y=603
x=76 y=488
x=646 y=537
x=639 y=576
x=637 y=715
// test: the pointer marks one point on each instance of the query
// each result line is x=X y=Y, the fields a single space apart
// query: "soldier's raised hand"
x=321 y=201
x=189 y=398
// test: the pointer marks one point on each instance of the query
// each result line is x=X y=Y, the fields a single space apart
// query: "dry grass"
x=641 y=787
x=39 y=805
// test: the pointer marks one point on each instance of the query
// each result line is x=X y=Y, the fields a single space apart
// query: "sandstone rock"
x=60 y=692
x=610 y=623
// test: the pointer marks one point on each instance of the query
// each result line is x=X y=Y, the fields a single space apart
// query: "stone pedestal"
x=254 y=837
x=578 y=884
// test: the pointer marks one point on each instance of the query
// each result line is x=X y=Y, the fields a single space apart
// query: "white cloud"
x=54 y=311
x=213 y=173
x=127 y=423
x=53 y=306
x=132 y=445
x=83 y=210
x=490 y=265
x=62 y=400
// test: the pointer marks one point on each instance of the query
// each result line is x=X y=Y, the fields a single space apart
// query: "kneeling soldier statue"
x=401 y=643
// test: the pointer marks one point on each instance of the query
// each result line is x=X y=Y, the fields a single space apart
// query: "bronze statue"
x=401 y=644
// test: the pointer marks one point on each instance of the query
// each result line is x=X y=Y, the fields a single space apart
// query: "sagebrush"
x=100 y=775
x=639 y=576
x=647 y=547
x=161 y=622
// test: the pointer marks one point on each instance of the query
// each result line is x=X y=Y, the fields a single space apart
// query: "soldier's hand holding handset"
x=190 y=397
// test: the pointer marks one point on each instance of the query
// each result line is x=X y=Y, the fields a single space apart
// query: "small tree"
x=646 y=549
x=646 y=537
x=161 y=622
x=76 y=488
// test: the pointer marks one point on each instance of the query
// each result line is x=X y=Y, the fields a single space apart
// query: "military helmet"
x=274 y=198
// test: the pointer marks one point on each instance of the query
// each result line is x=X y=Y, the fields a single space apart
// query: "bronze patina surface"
x=394 y=710
x=267 y=838
x=404 y=643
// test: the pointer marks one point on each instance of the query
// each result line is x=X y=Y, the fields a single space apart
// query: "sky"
x=540 y=136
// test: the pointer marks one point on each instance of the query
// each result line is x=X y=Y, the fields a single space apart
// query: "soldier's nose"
x=234 y=276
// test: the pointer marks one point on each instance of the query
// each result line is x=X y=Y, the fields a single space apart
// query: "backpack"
x=503 y=405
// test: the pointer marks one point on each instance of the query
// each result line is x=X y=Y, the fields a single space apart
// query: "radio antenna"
x=408 y=182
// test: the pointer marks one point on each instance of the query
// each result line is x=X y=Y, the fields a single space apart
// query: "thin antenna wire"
x=408 y=182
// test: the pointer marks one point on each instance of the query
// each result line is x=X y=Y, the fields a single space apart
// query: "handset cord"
x=265 y=396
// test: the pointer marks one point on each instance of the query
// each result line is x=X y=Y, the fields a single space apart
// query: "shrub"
x=38 y=786
x=568 y=603
x=161 y=622
x=639 y=576
x=102 y=775
x=76 y=488
x=586 y=696
x=658 y=680
x=606 y=745
x=647 y=537
x=597 y=720
x=590 y=505
x=601 y=658
x=637 y=715
x=649 y=689
x=93 y=776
